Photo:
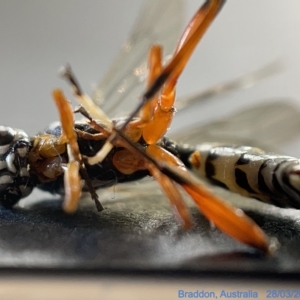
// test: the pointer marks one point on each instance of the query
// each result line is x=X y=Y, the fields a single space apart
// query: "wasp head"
x=15 y=182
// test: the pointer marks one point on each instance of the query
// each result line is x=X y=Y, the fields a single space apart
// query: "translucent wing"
x=158 y=22
x=267 y=126
x=270 y=126
x=242 y=82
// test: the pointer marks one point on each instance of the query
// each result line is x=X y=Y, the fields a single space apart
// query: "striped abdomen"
x=250 y=172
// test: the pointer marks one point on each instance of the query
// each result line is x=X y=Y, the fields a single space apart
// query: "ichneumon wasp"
x=127 y=160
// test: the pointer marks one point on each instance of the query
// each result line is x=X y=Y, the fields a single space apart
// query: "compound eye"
x=7 y=135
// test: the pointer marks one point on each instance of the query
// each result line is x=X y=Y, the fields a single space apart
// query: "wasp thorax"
x=15 y=180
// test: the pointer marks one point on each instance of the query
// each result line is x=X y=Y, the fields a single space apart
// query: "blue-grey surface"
x=141 y=233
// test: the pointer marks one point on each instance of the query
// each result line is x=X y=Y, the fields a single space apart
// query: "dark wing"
x=159 y=22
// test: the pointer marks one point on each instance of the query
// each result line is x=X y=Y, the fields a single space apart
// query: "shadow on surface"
x=137 y=234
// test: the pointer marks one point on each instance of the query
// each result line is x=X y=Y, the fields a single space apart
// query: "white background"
x=38 y=36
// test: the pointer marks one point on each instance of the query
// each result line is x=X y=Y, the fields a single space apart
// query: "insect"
x=65 y=151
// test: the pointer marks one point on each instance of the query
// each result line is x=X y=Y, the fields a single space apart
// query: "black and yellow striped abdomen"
x=250 y=172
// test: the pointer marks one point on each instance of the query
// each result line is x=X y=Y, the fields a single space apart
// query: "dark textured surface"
x=141 y=234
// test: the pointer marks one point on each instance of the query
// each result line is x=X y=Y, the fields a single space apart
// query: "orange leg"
x=164 y=166
x=90 y=136
x=164 y=112
x=169 y=75
x=71 y=177
x=72 y=180
x=72 y=186
x=173 y=194
x=91 y=110
x=154 y=69
x=127 y=162
x=229 y=219
x=200 y=24
x=168 y=169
